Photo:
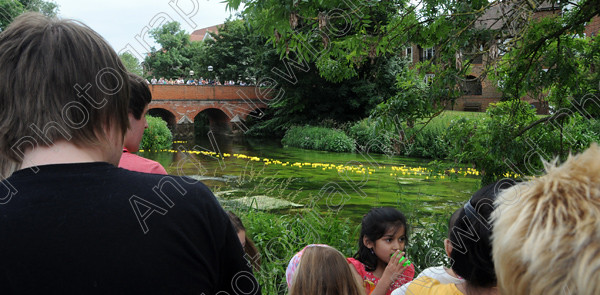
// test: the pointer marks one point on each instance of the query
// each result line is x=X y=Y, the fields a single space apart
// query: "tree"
x=178 y=54
x=341 y=36
x=131 y=64
x=349 y=41
x=9 y=9
x=235 y=52
x=528 y=53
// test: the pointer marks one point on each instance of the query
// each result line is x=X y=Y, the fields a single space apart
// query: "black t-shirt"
x=92 y=228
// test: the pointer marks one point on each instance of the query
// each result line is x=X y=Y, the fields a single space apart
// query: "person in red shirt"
x=380 y=258
x=140 y=97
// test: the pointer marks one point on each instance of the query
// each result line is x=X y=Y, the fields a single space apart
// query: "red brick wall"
x=593 y=27
x=171 y=92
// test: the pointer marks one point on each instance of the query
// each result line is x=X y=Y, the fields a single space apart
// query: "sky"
x=125 y=23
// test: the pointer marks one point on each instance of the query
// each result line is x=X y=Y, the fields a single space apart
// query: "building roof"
x=201 y=34
x=498 y=15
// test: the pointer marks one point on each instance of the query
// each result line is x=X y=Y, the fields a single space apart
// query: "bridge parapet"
x=185 y=102
x=204 y=92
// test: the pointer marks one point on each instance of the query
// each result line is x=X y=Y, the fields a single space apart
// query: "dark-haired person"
x=442 y=274
x=245 y=240
x=471 y=248
x=380 y=258
x=139 y=100
x=71 y=222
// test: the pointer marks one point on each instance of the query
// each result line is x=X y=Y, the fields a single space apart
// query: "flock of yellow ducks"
x=394 y=171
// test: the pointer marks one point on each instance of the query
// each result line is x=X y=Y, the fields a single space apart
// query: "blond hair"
x=546 y=236
x=324 y=271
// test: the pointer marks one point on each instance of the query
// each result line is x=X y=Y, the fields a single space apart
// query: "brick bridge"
x=222 y=108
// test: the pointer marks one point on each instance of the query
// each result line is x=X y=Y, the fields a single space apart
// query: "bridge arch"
x=213 y=119
x=164 y=114
x=219 y=105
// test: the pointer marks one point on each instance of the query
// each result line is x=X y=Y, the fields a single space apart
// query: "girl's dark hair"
x=249 y=248
x=374 y=225
x=471 y=237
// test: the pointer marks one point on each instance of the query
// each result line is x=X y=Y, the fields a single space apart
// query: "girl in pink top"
x=380 y=258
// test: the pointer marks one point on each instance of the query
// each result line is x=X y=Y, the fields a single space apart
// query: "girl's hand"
x=397 y=265
x=394 y=269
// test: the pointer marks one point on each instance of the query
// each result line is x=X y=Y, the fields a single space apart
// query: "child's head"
x=246 y=242
x=451 y=223
x=470 y=237
x=547 y=231
x=324 y=270
x=140 y=98
x=61 y=82
x=383 y=231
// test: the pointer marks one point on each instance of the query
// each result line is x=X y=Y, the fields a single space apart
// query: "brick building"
x=204 y=33
x=478 y=90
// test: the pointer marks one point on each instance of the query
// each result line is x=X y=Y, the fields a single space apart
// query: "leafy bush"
x=490 y=143
x=426 y=244
x=157 y=136
x=369 y=139
x=427 y=142
x=512 y=140
x=318 y=138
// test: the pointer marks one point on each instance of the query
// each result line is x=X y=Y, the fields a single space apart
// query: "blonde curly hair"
x=546 y=237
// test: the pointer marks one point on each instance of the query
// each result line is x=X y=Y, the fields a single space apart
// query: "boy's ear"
x=368 y=243
x=448 y=247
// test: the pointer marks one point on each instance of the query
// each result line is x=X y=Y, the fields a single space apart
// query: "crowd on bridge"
x=192 y=81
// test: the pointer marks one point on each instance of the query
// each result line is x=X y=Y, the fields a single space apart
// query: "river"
x=260 y=173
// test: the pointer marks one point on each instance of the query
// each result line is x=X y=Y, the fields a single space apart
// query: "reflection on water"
x=350 y=194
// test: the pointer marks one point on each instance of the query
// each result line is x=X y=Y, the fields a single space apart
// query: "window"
x=472 y=86
x=427 y=53
x=429 y=78
x=408 y=53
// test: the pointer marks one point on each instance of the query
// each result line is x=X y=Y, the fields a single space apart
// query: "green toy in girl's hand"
x=406 y=263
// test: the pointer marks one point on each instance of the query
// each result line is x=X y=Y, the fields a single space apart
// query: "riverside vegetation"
x=502 y=142
x=462 y=138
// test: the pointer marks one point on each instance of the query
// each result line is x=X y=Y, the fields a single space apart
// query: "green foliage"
x=307 y=98
x=488 y=142
x=318 y=138
x=427 y=142
x=131 y=63
x=9 y=9
x=236 y=53
x=157 y=136
x=177 y=55
x=339 y=37
x=512 y=141
x=369 y=139
x=552 y=62
x=279 y=237
x=426 y=244
x=413 y=100
x=426 y=139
